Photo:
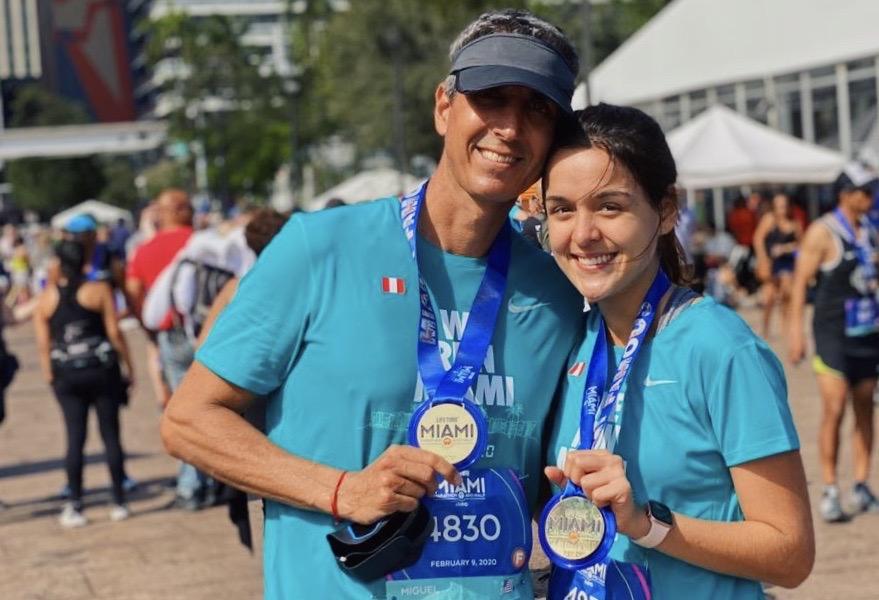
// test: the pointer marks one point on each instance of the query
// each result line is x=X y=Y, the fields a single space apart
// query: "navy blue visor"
x=513 y=59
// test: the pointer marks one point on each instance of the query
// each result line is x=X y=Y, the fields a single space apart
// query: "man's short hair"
x=517 y=21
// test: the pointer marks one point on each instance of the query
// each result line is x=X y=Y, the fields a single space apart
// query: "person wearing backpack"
x=81 y=348
x=174 y=215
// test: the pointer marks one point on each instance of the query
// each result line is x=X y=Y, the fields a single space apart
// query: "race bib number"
x=612 y=580
x=861 y=316
x=480 y=540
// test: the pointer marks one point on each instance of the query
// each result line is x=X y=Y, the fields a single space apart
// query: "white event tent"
x=101 y=211
x=721 y=148
x=367 y=185
x=696 y=44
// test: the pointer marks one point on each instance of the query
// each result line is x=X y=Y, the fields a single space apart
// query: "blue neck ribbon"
x=864 y=250
x=599 y=401
x=454 y=383
x=596 y=414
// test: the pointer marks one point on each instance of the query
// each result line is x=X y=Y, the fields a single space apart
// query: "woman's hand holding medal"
x=602 y=477
x=395 y=481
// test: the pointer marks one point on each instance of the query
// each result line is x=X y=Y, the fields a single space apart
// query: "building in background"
x=20 y=51
x=265 y=34
x=89 y=61
x=77 y=49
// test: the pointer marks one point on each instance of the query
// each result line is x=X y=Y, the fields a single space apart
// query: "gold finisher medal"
x=449 y=430
x=574 y=528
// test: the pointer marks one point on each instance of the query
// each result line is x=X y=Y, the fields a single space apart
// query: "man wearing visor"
x=410 y=349
x=842 y=247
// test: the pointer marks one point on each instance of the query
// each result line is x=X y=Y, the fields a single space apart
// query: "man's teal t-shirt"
x=314 y=328
x=704 y=395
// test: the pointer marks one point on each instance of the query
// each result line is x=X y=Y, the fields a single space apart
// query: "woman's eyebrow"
x=612 y=192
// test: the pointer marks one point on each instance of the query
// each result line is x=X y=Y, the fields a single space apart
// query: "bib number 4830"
x=468 y=528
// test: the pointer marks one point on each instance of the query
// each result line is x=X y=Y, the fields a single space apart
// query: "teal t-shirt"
x=704 y=395
x=314 y=328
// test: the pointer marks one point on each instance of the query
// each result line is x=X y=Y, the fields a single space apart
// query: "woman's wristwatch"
x=661 y=522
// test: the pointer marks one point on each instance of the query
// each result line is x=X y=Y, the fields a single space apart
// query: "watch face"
x=661 y=512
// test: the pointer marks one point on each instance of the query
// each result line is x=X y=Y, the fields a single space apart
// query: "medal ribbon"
x=454 y=383
x=599 y=402
x=864 y=249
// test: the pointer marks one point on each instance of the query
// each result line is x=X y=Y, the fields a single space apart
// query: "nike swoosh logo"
x=651 y=382
x=520 y=308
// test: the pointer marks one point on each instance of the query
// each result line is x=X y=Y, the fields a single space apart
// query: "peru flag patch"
x=393 y=285
x=577 y=369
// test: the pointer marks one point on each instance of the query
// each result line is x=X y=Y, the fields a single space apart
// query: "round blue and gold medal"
x=574 y=533
x=453 y=429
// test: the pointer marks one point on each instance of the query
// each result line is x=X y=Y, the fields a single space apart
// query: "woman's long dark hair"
x=71 y=259
x=635 y=140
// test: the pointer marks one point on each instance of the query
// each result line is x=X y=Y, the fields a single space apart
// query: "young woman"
x=80 y=348
x=699 y=460
x=776 y=241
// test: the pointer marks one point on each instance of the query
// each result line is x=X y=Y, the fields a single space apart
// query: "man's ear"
x=442 y=104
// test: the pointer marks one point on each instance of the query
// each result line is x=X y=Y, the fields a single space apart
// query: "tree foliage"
x=226 y=99
x=119 y=189
x=612 y=22
x=348 y=63
x=165 y=174
x=47 y=185
x=351 y=75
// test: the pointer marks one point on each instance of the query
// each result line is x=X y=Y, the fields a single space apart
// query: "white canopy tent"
x=693 y=44
x=721 y=148
x=101 y=211
x=366 y=185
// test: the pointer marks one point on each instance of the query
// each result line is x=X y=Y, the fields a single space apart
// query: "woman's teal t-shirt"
x=705 y=395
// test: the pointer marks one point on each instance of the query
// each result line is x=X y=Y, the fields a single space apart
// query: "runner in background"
x=840 y=250
x=776 y=241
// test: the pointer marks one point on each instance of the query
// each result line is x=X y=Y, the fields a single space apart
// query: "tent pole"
x=719 y=221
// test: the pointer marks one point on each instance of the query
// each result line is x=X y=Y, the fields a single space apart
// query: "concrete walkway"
x=170 y=554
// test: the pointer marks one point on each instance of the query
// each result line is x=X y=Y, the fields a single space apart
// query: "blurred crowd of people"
x=84 y=283
x=167 y=273
x=754 y=253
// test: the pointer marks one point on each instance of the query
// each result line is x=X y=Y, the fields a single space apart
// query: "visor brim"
x=476 y=79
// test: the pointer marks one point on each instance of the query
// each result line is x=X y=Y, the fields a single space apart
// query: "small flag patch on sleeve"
x=577 y=369
x=393 y=285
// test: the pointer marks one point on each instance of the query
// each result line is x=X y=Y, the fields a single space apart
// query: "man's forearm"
x=222 y=443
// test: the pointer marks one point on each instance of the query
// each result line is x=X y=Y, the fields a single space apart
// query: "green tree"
x=225 y=98
x=612 y=22
x=119 y=188
x=165 y=174
x=346 y=61
x=351 y=73
x=43 y=184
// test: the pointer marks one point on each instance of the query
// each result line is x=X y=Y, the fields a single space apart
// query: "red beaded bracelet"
x=334 y=505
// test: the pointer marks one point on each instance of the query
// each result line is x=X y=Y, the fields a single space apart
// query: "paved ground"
x=169 y=554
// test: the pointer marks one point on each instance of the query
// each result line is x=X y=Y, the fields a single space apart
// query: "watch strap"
x=656 y=534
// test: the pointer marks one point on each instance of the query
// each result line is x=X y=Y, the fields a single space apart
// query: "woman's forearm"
x=748 y=549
